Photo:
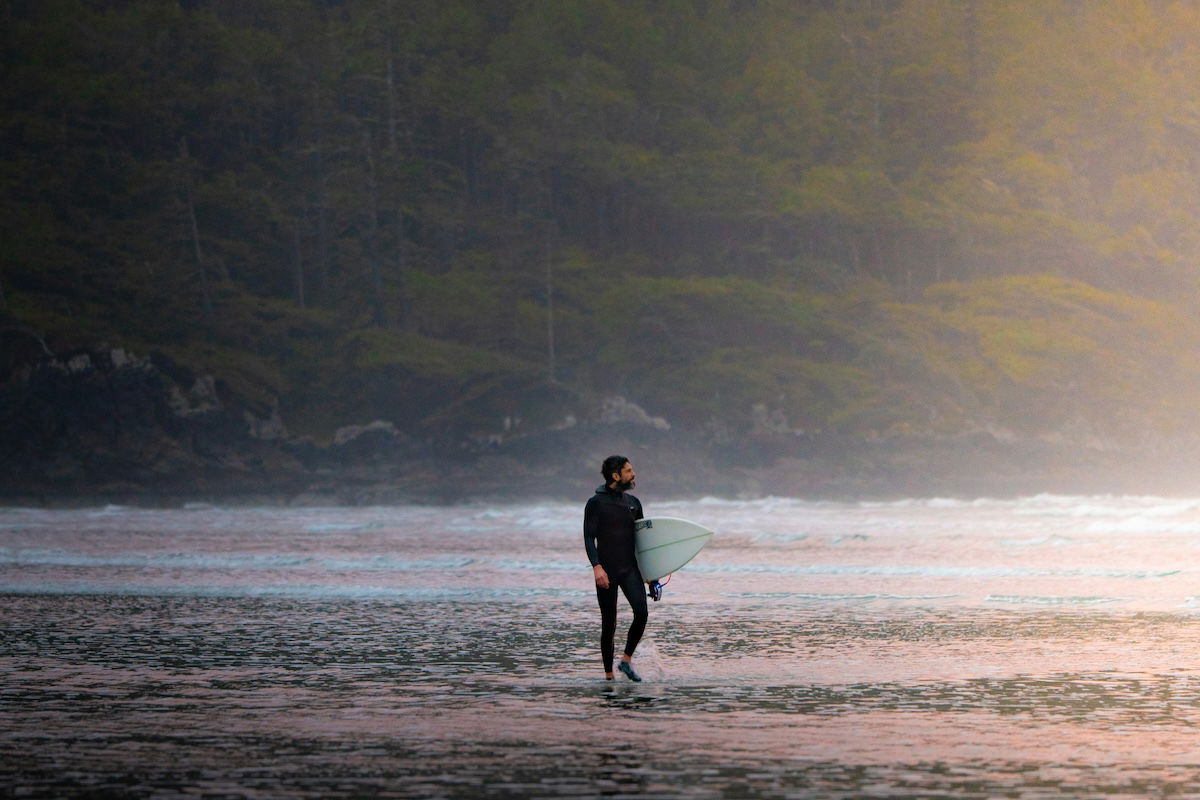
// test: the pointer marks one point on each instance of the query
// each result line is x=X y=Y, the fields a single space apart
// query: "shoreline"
x=743 y=486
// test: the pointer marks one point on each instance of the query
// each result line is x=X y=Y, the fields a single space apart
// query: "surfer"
x=608 y=521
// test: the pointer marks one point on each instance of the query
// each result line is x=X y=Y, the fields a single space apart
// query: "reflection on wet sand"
x=283 y=698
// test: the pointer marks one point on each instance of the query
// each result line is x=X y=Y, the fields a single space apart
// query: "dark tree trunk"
x=322 y=265
x=297 y=266
x=194 y=227
x=375 y=271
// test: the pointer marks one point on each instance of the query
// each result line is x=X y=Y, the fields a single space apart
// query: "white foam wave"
x=228 y=561
x=111 y=510
x=291 y=590
x=780 y=538
x=1053 y=540
x=1144 y=524
x=317 y=562
x=1051 y=600
x=931 y=571
x=821 y=596
x=342 y=527
x=522 y=565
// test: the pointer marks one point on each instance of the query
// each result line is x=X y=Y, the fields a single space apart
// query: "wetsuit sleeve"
x=591 y=525
x=637 y=512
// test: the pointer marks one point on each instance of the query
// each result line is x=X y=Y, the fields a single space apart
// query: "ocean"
x=1047 y=646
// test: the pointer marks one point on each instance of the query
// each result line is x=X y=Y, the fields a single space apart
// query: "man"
x=608 y=521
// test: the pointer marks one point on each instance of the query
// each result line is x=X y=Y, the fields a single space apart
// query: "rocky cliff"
x=105 y=425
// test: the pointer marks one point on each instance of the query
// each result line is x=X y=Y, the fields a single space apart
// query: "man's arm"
x=591 y=525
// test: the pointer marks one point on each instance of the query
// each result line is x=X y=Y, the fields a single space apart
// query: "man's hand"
x=601 y=576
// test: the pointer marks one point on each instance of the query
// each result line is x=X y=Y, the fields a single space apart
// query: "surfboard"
x=664 y=544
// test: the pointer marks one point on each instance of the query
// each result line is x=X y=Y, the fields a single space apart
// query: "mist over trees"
x=879 y=217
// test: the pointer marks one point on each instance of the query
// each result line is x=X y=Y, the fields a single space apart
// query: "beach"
x=1039 y=647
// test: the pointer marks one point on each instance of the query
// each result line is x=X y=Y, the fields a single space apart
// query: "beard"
x=623 y=486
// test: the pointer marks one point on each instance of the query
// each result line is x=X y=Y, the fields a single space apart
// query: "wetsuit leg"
x=607 y=598
x=635 y=592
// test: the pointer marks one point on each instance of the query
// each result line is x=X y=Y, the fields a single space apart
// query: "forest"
x=478 y=220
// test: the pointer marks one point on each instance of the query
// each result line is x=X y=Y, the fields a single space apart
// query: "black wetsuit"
x=608 y=521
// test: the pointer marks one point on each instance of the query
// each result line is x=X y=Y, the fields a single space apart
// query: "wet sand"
x=832 y=651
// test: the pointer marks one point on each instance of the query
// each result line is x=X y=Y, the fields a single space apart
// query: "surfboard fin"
x=655 y=591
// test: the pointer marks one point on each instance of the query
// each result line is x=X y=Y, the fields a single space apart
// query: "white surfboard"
x=664 y=544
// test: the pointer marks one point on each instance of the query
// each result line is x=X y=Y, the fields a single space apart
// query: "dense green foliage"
x=877 y=216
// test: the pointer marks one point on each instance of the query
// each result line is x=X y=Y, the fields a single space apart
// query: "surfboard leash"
x=656 y=588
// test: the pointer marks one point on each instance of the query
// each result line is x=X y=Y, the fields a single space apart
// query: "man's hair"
x=612 y=464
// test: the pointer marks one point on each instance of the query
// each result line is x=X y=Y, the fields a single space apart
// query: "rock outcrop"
x=104 y=425
x=107 y=422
